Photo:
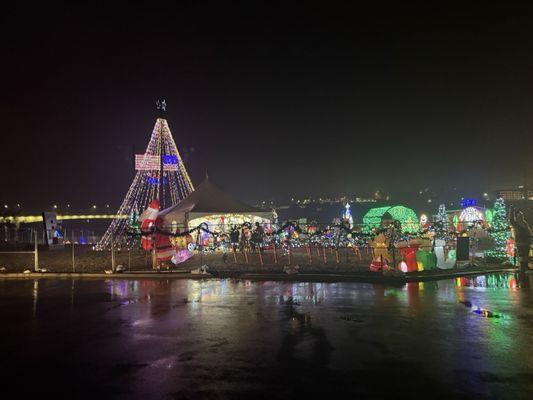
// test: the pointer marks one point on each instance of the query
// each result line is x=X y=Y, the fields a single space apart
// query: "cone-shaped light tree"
x=160 y=175
x=499 y=231
x=443 y=224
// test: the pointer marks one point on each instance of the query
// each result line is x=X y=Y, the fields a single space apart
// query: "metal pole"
x=36 y=255
x=72 y=244
x=161 y=168
x=154 y=254
x=129 y=259
x=393 y=248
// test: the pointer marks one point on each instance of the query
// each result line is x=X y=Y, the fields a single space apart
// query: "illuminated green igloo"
x=406 y=216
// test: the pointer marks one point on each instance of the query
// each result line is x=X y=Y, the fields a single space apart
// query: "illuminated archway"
x=406 y=216
x=471 y=214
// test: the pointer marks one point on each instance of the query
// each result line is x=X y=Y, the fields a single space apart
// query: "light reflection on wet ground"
x=242 y=339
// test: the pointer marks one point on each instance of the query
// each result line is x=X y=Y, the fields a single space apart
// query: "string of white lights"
x=144 y=188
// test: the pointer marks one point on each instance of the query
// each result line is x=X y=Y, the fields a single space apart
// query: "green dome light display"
x=406 y=216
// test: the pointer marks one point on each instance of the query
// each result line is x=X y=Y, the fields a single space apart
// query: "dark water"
x=220 y=339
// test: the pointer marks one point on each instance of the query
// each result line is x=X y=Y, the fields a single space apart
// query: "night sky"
x=273 y=101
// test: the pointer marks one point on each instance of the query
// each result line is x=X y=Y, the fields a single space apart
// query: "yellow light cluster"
x=38 y=218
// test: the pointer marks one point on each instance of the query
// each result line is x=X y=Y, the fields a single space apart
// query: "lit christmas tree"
x=134 y=223
x=347 y=215
x=499 y=231
x=443 y=224
x=160 y=175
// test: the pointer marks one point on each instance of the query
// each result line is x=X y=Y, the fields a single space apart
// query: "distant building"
x=515 y=194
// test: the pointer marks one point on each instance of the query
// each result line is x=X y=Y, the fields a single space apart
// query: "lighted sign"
x=148 y=162
x=468 y=203
x=170 y=159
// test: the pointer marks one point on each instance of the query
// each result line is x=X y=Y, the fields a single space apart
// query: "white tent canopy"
x=207 y=199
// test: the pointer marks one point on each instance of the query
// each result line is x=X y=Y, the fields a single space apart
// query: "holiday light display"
x=408 y=251
x=380 y=253
x=347 y=215
x=406 y=216
x=146 y=223
x=499 y=231
x=425 y=257
x=222 y=224
x=160 y=175
x=444 y=261
x=372 y=219
x=470 y=215
x=293 y=235
x=488 y=216
x=443 y=224
x=455 y=222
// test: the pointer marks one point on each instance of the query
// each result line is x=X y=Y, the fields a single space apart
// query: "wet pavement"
x=216 y=339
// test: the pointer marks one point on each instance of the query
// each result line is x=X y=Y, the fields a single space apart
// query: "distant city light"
x=55 y=205
x=94 y=205
x=5 y=205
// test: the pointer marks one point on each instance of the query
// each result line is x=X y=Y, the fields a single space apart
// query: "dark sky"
x=272 y=100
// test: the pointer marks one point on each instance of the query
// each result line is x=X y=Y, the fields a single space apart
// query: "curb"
x=309 y=277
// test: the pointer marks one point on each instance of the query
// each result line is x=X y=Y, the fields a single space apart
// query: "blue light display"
x=468 y=203
x=170 y=159
x=155 y=181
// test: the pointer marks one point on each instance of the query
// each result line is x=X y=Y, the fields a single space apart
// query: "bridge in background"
x=26 y=219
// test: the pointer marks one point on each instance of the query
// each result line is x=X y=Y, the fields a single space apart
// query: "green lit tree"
x=499 y=231
x=134 y=225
